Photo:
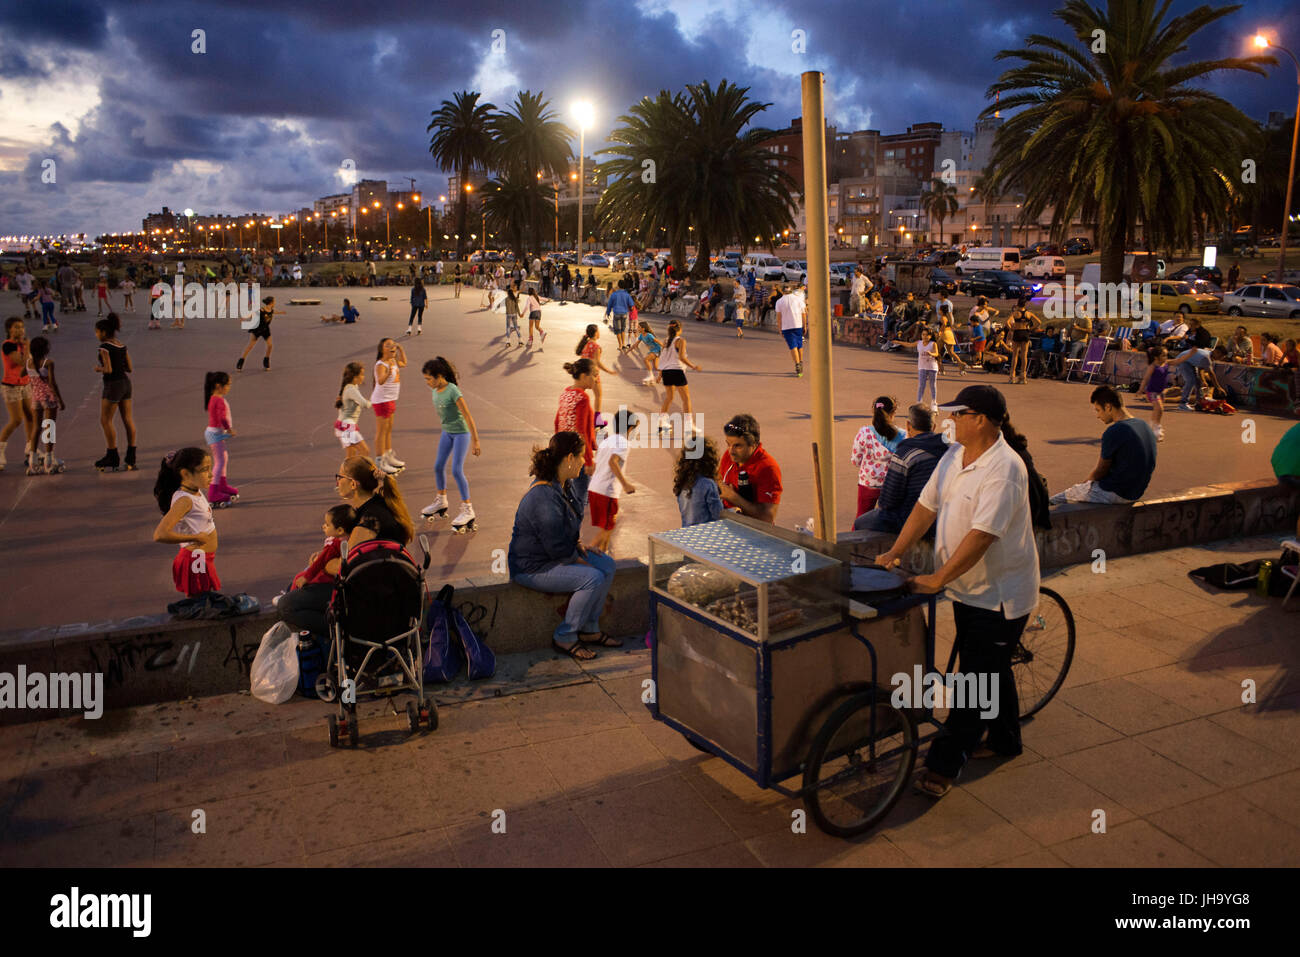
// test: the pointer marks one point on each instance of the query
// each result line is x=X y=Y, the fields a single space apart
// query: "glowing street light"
x=585 y=114
x=1263 y=43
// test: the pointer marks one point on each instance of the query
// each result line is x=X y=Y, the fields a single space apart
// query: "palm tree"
x=939 y=202
x=462 y=143
x=530 y=141
x=511 y=203
x=1120 y=136
x=710 y=179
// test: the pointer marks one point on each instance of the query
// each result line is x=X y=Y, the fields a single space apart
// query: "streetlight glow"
x=1261 y=41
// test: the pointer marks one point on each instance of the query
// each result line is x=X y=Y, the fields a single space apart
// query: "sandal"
x=575 y=651
x=602 y=639
x=932 y=785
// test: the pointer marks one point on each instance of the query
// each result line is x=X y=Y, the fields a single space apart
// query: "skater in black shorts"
x=261 y=331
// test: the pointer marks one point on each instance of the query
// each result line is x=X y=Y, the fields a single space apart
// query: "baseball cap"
x=982 y=399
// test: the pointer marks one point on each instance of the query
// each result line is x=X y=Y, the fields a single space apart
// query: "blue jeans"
x=927 y=379
x=455 y=445
x=1187 y=372
x=589 y=584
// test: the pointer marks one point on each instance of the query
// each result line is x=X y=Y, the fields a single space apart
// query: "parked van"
x=765 y=267
x=1148 y=267
x=1005 y=258
x=1045 y=267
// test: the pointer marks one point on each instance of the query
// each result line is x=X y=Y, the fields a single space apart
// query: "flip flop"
x=603 y=640
x=575 y=651
x=931 y=785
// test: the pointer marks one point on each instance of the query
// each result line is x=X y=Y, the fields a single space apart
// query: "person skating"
x=48 y=402
x=390 y=359
x=459 y=438
x=115 y=365
x=261 y=331
x=216 y=386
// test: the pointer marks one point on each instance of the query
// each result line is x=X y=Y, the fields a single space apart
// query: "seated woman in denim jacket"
x=545 y=554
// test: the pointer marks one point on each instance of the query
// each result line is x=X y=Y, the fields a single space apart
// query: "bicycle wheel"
x=857 y=768
x=1042 y=659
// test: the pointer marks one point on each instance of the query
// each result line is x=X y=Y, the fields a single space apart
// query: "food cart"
x=757 y=648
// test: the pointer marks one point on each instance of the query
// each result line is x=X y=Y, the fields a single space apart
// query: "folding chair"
x=1091 y=361
x=1291 y=545
x=1124 y=333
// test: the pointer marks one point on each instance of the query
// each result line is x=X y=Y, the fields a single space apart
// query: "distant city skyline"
x=283 y=95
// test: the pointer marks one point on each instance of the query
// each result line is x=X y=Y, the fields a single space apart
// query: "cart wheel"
x=433 y=713
x=859 y=764
x=332 y=722
x=325 y=689
x=354 y=733
x=1042 y=659
x=412 y=717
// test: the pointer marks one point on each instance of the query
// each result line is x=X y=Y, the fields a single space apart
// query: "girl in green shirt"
x=459 y=438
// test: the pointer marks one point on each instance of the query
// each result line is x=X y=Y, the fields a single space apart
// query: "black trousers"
x=304 y=608
x=986 y=639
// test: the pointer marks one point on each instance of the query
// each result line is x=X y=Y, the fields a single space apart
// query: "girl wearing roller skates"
x=216 y=386
x=389 y=361
x=459 y=437
x=17 y=390
x=261 y=331
x=115 y=366
x=187 y=520
x=349 y=404
x=589 y=348
x=48 y=401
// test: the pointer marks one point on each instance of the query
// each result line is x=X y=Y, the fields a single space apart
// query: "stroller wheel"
x=412 y=717
x=325 y=689
x=354 y=733
x=432 y=707
x=332 y=722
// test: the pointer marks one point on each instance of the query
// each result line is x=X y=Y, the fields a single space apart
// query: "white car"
x=764 y=267
x=1044 y=267
x=796 y=271
x=594 y=259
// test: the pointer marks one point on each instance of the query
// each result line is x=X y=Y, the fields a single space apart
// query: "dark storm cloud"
x=288 y=89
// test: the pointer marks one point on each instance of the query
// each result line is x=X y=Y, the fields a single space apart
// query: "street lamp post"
x=582 y=111
x=1263 y=42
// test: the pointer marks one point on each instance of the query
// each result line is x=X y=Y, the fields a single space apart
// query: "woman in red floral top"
x=871 y=451
x=574 y=413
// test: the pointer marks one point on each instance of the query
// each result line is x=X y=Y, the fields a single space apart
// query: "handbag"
x=442 y=655
x=482 y=661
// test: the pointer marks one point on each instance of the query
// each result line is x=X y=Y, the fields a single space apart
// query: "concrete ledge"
x=148 y=659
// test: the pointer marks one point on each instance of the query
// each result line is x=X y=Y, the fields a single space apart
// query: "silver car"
x=1263 y=299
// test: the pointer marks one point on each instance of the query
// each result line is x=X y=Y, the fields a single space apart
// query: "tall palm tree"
x=710 y=178
x=528 y=140
x=461 y=142
x=1120 y=135
x=939 y=202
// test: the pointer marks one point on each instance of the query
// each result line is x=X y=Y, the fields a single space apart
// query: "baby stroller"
x=376 y=616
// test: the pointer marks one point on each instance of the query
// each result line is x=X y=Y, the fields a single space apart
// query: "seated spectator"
x=1290 y=357
x=1173 y=331
x=750 y=479
x=1240 y=348
x=323 y=567
x=1286 y=458
x=1079 y=331
x=1273 y=356
x=1197 y=335
x=909 y=469
x=872 y=448
x=545 y=553
x=997 y=352
x=1128 y=455
x=694 y=484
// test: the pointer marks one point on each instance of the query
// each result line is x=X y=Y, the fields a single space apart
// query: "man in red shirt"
x=749 y=479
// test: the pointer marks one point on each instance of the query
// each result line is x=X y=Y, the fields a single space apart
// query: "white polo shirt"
x=992 y=495
x=791 y=309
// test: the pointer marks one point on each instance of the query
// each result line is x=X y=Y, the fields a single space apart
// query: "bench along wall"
x=151 y=659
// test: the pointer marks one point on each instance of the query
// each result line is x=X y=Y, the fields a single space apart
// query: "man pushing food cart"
x=987 y=561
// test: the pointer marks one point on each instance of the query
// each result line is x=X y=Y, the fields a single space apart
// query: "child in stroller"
x=376 y=622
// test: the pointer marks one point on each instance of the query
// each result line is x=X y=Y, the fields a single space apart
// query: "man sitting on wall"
x=1128 y=455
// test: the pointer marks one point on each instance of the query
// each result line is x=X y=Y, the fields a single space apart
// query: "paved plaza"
x=78 y=546
x=1150 y=728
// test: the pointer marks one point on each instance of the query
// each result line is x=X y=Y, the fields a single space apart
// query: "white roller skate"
x=435 y=509
x=35 y=463
x=465 y=521
x=388 y=466
x=52 y=465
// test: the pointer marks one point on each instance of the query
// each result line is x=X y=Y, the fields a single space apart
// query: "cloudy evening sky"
x=288 y=89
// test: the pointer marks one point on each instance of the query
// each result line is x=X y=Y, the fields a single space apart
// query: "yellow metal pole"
x=818 y=353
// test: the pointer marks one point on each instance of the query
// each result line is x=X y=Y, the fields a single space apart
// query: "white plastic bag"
x=274 y=675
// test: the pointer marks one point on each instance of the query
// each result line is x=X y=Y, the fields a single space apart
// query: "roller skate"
x=436 y=509
x=35 y=465
x=465 y=521
x=218 y=497
x=52 y=465
x=228 y=488
x=388 y=466
x=109 y=463
x=129 y=462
